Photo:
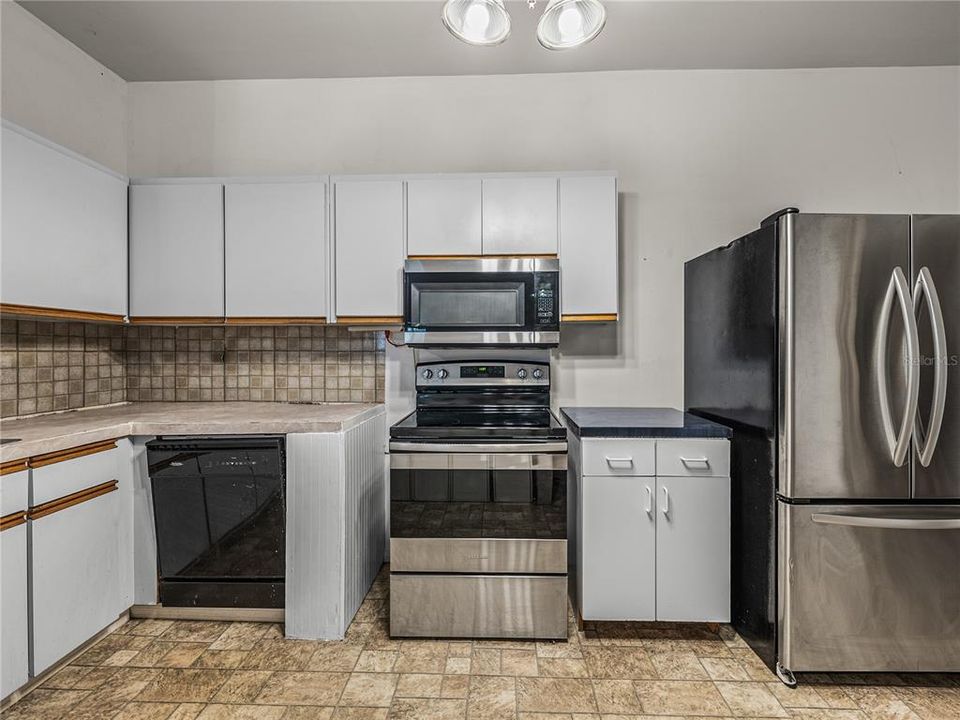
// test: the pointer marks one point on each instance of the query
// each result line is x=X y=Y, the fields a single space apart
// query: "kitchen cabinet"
x=369 y=248
x=444 y=216
x=14 y=660
x=693 y=549
x=619 y=530
x=588 y=248
x=520 y=215
x=176 y=252
x=75 y=524
x=652 y=529
x=64 y=227
x=275 y=251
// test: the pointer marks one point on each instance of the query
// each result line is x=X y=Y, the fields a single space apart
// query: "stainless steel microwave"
x=482 y=301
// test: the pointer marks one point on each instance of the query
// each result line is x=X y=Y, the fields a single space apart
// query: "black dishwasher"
x=219 y=509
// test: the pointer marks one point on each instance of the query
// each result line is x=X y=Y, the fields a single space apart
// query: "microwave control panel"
x=546 y=299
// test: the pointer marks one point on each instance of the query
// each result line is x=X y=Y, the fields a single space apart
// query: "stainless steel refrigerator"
x=831 y=345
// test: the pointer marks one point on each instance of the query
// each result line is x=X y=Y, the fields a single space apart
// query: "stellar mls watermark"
x=929 y=361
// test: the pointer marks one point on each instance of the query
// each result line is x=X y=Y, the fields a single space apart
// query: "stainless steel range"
x=478 y=505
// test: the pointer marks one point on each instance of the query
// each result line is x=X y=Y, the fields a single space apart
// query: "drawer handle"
x=611 y=461
x=695 y=461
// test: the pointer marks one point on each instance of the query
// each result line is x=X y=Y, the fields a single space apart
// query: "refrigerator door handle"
x=926 y=439
x=888 y=522
x=898 y=442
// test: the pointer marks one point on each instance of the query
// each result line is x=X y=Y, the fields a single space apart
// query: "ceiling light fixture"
x=570 y=23
x=478 y=22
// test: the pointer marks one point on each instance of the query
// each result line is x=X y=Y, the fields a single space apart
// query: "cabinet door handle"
x=695 y=461
x=619 y=461
x=666 y=502
x=649 y=508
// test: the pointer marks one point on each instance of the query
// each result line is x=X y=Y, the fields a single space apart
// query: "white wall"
x=56 y=90
x=702 y=157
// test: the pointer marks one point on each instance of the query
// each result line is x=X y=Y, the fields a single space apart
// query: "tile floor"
x=161 y=670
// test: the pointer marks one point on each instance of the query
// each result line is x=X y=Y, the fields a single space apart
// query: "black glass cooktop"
x=480 y=423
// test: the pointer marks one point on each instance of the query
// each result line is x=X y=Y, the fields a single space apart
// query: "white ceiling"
x=226 y=39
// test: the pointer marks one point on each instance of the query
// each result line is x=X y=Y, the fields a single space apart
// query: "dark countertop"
x=639 y=422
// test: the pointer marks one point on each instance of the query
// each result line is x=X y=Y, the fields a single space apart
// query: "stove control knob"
x=537 y=374
x=442 y=374
x=427 y=374
x=522 y=373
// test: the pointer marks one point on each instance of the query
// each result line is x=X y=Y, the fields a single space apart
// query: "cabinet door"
x=176 y=251
x=693 y=549
x=276 y=252
x=64 y=226
x=588 y=248
x=520 y=216
x=14 y=661
x=619 y=548
x=76 y=576
x=368 y=224
x=443 y=217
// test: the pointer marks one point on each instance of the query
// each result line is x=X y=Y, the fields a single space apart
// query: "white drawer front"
x=697 y=457
x=69 y=476
x=618 y=457
x=13 y=492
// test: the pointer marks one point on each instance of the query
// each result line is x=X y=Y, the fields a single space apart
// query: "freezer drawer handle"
x=899 y=443
x=888 y=523
x=926 y=438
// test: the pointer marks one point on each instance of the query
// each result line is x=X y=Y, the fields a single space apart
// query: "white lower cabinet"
x=14 y=662
x=619 y=548
x=76 y=576
x=653 y=546
x=693 y=549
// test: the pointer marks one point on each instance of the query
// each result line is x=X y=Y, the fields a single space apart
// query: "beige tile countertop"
x=60 y=431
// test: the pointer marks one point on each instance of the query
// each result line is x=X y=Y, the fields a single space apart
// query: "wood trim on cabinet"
x=369 y=320
x=13 y=520
x=599 y=317
x=67 y=501
x=311 y=320
x=58 y=313
x=176 y=320
x=76 y=452
x=13 y=466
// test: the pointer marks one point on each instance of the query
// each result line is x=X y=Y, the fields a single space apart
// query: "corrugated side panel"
x=364 y=520
x=314 y=605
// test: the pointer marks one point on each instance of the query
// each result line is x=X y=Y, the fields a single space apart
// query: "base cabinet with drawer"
x=653 y=529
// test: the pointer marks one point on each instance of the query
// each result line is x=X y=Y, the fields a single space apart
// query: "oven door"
x=480 y=302
x=483 y=512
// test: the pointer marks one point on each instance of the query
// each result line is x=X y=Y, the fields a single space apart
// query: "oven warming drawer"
x=489 y=606
x=478 y=555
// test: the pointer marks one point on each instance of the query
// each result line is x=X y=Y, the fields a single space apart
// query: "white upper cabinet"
x=176 y=250
x=64 y=231
x=443 y=216
x=520 y=216
x=588 y=248
x=276 y=250
x=369 y=247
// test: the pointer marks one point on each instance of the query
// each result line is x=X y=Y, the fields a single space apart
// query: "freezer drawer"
x=869 y=588
x=489 y=606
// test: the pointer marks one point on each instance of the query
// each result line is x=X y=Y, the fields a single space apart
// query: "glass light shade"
x=478 y=22
x=570 y=23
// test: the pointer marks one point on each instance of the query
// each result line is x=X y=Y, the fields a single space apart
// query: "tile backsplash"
x=64 y=365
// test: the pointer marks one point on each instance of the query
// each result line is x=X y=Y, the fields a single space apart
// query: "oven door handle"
x=487 y=448
x=478 y=461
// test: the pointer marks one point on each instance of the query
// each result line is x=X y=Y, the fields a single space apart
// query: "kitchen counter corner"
x=639 y=422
